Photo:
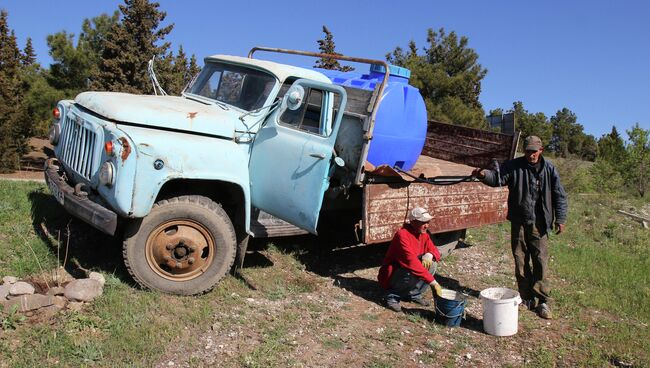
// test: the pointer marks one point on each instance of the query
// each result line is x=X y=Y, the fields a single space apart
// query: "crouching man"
x=410 y=263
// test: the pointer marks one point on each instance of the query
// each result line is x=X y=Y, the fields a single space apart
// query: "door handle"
x=320 y=156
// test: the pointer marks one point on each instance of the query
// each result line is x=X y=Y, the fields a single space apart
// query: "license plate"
x=55 y=191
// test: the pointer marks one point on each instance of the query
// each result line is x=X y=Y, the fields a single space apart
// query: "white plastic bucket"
x=500 y=311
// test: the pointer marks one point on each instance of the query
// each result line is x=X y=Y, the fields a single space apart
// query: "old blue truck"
x=257 y=148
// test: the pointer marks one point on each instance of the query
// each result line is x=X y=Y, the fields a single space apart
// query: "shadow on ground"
x=81 y=246
x=339 y=257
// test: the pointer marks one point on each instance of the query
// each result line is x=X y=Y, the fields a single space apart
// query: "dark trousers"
x=405 y=286
x=530 y=247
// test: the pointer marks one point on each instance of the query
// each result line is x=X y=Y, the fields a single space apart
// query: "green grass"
x=22 y=252
x=124 y=327
x=600 y=269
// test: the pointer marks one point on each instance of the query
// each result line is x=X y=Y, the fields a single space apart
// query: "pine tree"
x=532 y=124
x=193 y=69
x=327 y=46
x=611 y=147
x=448 y=75
x=638 y=159
x=73 y=65
x=171 y=72
x=568 y=134
x=130 y=45
x=29 y=55
x=11 y=140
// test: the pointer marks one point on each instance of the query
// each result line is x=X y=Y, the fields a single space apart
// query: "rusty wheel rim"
x=180 y=250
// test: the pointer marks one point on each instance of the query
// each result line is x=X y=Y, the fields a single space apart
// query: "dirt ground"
x=342 y=322
x=31 y=165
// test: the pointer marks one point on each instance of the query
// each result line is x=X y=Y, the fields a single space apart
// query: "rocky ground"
x=342 y=321
x=41 y=299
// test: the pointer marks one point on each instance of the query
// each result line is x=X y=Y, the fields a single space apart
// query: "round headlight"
x=55 y=133
x=107 y=174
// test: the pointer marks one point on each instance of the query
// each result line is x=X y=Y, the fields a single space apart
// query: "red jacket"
x=404 y=251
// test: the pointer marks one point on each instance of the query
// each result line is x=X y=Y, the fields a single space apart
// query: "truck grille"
x=78 y=142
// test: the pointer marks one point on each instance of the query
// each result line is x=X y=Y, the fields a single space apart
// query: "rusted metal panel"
x=453 y=207
x=468 y=146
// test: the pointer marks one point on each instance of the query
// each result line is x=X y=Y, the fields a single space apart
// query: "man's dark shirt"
x=535 y=192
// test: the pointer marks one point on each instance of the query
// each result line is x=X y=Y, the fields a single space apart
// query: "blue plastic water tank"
x=401 y=121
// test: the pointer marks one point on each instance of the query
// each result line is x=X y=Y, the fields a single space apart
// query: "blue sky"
x=592 y=57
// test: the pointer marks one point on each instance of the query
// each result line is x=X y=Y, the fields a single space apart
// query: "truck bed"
x=449 y=151
x=453 y=207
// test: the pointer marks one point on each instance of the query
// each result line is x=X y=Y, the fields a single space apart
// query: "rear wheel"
x=184 y=246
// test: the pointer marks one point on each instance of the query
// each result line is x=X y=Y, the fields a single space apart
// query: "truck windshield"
x=243 y=88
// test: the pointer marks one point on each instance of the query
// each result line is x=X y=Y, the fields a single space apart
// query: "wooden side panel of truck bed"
x=449 y=151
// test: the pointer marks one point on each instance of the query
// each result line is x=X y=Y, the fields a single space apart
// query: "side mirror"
x=294 y=97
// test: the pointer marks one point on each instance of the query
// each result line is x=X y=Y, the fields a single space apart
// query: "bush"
x=606 y=178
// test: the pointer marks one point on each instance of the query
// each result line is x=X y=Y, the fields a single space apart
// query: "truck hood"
x=167 y=112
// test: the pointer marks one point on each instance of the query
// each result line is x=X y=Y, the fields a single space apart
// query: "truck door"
x=292 y=155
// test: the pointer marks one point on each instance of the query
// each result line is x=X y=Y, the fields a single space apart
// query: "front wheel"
x=184 y=246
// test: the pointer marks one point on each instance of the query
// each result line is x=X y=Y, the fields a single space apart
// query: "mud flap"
x=242 y=246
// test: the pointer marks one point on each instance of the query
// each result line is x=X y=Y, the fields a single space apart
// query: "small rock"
x=75 y=306
x=8 y=280
x=468 y=356
x=21 y=288
x=83 y=290
x=56 y=290
x=60 y=301
x=28 y=302
x=4 y=291
x=50 y=310
x=418 y=352
x=97 y=276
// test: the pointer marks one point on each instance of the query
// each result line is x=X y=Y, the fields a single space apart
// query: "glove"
x=427 y=260
x=436 y=289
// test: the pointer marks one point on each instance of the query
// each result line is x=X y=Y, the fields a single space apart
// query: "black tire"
x=447 y=242
x=184 y=246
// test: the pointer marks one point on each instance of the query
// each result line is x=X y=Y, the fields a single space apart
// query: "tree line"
x=448 y=75
x=111 y=53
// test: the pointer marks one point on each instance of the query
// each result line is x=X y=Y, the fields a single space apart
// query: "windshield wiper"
x=221 y=104
x=206 y=101
x=241 y=117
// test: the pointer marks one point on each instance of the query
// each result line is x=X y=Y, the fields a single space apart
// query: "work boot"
x=423 y=302
x=394 y=306
x=530 y=304
x=544 y=311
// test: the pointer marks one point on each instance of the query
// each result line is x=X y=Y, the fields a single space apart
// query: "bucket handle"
x=462 y=314
x=518 y=300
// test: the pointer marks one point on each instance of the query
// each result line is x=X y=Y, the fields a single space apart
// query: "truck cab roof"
x=281 y=71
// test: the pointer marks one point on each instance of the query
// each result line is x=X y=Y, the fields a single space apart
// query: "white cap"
x=420 y=214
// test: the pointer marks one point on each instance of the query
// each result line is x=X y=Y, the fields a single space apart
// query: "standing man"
x=535 y=201
x=410 y=263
